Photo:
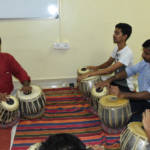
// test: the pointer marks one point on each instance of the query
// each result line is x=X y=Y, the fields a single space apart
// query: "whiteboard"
x=17 y=9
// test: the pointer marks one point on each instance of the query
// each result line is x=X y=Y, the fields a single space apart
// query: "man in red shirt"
x=10 y=67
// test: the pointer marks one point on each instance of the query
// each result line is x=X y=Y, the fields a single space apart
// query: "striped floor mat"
x=67 y=111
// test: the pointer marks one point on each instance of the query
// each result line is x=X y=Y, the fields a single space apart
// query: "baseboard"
x=50 y=83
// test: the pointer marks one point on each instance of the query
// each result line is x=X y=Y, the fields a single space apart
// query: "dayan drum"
x=96 y=95
x=35 y=146
x=114 y=112
x=82 y=70
x=9 y=112
x=33 y=104
x=86 y=85
x=134 y=137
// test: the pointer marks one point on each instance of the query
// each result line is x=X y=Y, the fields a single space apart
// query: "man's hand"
x=3 y=96
x=26 y=89
x=146 y=120
x=103 y=84
x=114 y=90
x=92 y=68
x=81 y=77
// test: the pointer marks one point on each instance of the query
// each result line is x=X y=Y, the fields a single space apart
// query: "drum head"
x=11 y=104
x=112 y=101
x=83 y=70
x=36 y=91
x=137 y=129
x=98 y=92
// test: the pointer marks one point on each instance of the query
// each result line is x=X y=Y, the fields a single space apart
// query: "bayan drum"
x=134 y=137
x=35 y=146
x=9 y=112
x=96 y=95
x=82 y=70
x=114 y=112
x=86 y=85
x=33 y=104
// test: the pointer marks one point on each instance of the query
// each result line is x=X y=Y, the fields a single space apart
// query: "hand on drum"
x=102 y=84
x=26 y=89
x=92 y=67
x=114 y=90
x=82 y=77
x=146 y=120
x=3 y=96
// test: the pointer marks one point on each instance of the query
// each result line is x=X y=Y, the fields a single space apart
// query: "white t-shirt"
x=124 y=56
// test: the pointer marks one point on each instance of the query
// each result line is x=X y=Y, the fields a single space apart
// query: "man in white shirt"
x=139 y=100
x=121 y=58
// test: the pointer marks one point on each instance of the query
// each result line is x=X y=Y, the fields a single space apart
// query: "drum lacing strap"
x=34 y=107
x=28 y=108
x=126 y=139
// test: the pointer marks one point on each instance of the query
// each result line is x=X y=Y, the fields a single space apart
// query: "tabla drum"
x=35 y=146
x=32 y=105
x=114 y=112
x=86 y=85
x=96 y=95
x=9 y=112
x=134 y=137
x=82 y=70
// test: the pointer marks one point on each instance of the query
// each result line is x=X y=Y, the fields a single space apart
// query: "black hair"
x=146 y=44
x=125 y=28
x=0 y=41
x=63 y=141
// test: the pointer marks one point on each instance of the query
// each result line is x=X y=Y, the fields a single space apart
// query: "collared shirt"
x=8 y=67
x=143 y=71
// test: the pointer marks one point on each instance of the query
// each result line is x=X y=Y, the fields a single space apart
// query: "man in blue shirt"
x=139 y=100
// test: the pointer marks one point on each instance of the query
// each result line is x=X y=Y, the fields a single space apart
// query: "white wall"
x=88 y=26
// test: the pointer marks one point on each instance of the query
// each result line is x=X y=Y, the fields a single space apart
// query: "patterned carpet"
x=67 y=111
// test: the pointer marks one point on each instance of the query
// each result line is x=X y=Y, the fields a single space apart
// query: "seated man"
x=139 y=100
x=8 y=67
x=146 y=122
x=122 y=57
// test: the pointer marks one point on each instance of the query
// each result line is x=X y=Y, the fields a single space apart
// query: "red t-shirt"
x=8 y=67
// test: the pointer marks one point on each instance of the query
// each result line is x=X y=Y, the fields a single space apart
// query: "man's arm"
x=102 y=66
x=134 y=96
x=18 y=71
x=106 y=64
x=20 y=74
x=107 y=70
x=106 y=83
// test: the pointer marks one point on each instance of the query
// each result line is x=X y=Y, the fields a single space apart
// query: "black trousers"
x=137 y=106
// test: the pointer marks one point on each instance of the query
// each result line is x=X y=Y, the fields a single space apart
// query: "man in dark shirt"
x=10 y=67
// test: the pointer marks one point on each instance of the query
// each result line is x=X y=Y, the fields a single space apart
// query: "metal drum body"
x=114 y=113
x=96 y=95
x=32 y=105
x=9 y=112
x=86 y=85
x=134 y=138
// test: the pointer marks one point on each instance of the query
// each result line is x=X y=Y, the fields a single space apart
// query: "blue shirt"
x=143 y=71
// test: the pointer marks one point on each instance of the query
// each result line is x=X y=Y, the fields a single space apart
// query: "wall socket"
x=61 y=45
